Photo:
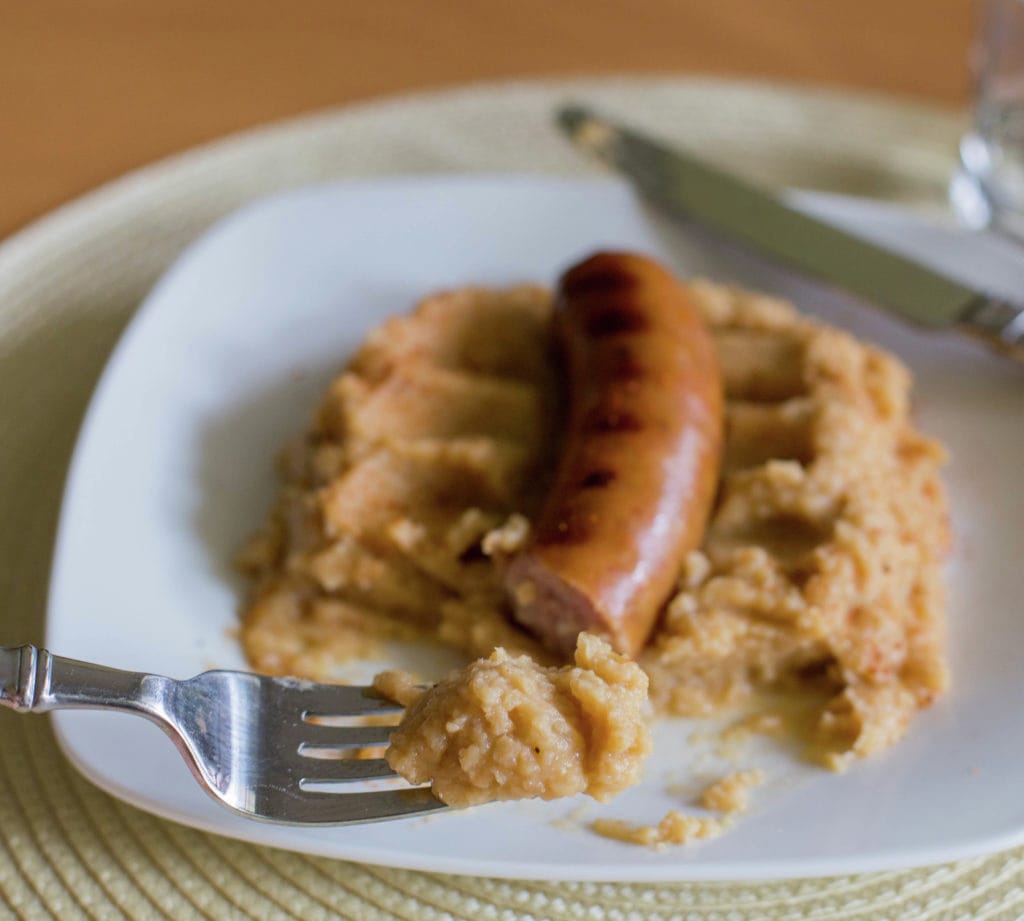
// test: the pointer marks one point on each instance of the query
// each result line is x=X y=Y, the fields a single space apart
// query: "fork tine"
x=316 y=737
x=344 y=770
x=319 y=700
x=317 y=808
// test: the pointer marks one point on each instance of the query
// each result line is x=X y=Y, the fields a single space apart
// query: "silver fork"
x=252 y=742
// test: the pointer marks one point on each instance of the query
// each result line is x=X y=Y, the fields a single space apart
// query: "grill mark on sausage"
x=615 y=320
x=605 y=280
x=597 y=479
x=623 y=365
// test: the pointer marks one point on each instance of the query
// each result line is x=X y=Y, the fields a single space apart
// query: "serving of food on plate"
x=631 y=481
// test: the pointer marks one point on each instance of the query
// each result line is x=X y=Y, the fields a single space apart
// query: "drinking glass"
x=988 y=189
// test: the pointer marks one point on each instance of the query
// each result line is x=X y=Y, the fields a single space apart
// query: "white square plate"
x=231 y=351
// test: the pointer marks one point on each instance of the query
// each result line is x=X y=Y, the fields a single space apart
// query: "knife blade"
x=687 y=187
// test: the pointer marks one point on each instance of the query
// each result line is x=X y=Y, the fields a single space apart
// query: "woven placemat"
x=67 y=286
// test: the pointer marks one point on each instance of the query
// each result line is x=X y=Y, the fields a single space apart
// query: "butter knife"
x=685 y=186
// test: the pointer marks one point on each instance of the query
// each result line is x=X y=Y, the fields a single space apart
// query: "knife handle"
x=999 y=323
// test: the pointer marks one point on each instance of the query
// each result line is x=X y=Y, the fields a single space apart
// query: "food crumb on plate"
x=675 y=828
x=574 y=819
x=731 y=793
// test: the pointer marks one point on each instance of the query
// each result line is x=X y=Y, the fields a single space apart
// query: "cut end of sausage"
x=553 y=610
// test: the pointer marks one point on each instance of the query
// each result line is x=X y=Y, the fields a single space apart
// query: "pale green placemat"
x=67 y=286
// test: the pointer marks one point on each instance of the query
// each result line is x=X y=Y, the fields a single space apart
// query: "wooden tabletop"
x=92 y=88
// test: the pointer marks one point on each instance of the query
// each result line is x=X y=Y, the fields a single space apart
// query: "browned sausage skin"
x=639 y=464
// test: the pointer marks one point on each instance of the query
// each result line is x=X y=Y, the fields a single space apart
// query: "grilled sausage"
x=639 y=464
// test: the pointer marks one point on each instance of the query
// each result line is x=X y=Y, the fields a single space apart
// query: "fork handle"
x=33 y=680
